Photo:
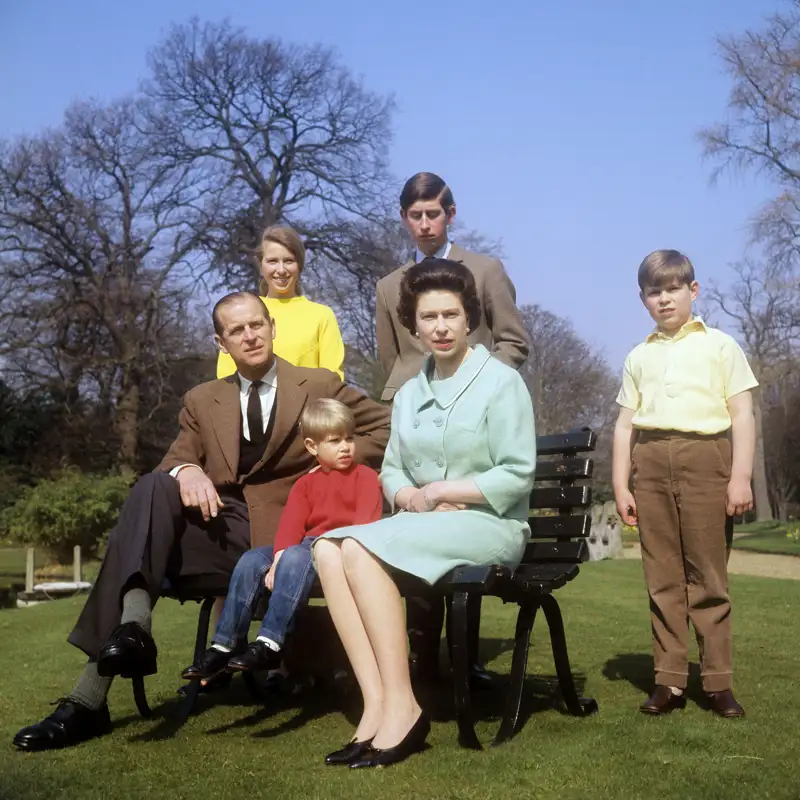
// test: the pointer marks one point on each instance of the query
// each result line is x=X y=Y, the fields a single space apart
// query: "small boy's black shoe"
x=208 y=666
x=662 y=701
x=256 y=656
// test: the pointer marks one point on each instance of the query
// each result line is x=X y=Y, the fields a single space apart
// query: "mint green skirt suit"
x=476 y=424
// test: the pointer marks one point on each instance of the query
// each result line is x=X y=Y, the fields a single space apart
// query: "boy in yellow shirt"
x=683 y=388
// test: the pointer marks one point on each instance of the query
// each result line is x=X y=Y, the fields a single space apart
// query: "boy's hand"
x=269 y=578
x=739 y=497
x=626 y=507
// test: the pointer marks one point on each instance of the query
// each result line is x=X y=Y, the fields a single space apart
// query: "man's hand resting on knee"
x=197 y=491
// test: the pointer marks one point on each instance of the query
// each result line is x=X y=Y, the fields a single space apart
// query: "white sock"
x=675 y=690
x=220 y=647
x=269 y=643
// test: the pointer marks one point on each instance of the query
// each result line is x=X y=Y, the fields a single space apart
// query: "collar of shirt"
x=266 y=394
x=442 y=252
x=269 y=380
x=694 y=324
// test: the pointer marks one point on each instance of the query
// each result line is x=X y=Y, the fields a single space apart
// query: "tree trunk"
x=127 y=419
x=760 y=492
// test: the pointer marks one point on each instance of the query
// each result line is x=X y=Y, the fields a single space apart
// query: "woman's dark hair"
x=426 y=186
x=438 y=274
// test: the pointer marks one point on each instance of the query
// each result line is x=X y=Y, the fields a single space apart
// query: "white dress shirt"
x=442 y=252
x=266 y=394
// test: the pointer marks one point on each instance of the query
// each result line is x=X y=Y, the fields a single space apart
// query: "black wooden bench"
x=560 y=527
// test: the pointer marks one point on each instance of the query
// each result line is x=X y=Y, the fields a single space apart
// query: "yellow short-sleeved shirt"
x=684 y=382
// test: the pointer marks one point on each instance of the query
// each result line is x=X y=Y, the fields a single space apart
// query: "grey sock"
x=136 y=607
x=91 y=690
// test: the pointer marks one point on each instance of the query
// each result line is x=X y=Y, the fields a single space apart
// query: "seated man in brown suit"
x=428 y=209
x=219 y=491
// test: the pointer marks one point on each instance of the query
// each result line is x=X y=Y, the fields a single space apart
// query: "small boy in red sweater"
x=335 y=494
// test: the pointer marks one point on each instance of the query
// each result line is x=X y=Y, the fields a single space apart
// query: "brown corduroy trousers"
x=680 y=482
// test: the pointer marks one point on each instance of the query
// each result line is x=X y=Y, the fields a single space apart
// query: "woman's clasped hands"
x=431 y=498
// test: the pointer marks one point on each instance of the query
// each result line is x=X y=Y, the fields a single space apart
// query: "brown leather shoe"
x=662 y=701
x=724 y=704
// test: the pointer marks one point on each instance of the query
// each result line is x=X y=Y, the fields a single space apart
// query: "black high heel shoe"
x=413 y=742
x=351 y=752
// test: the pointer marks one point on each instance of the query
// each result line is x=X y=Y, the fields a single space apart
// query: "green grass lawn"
x=767 y=537
x=233 y=749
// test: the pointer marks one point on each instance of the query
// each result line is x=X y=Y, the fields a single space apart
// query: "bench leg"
x=519 y=665
x=140 y=696
x=579 y=706
x=460 y=655
x=189 y=700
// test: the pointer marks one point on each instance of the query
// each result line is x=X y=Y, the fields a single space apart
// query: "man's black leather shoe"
x=130 y=651
x=212 y=663
x=256 y=656
x=70 y=724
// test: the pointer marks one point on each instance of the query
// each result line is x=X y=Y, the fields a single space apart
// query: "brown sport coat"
x=210 y=423
x=501 y=329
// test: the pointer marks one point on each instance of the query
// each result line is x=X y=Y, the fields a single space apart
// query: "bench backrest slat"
x=564 y=468
x=572 y=526
x=559 y=534
x=566 y=443
x=577 y=551
x=562 y=497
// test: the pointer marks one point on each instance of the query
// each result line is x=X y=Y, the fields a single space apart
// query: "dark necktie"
x=255 y=420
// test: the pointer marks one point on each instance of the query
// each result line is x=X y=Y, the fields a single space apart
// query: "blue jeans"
x=294 y=578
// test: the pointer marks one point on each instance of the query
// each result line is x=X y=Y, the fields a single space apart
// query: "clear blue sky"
x=567 y=129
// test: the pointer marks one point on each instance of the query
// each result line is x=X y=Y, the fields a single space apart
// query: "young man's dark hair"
x=426 y=186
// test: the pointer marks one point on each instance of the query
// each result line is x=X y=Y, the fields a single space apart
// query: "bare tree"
x=782 y=442
x=97 y=235
x=570 y=382
x=762 y=305
x=289 y=132
x=761 y=135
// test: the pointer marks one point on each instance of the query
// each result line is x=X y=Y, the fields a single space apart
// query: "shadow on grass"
x=541 y=693
x=171 y=717
x=638 y=670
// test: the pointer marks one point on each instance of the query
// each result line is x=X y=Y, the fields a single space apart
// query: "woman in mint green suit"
x=458 y=473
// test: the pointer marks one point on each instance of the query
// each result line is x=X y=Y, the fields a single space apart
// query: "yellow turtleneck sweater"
x=306 y=335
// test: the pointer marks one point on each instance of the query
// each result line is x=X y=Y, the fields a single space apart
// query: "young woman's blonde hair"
x=325 y=416
x=289 y=238
x=662 y=267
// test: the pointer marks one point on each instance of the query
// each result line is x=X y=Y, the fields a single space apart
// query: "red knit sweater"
x=323 y=501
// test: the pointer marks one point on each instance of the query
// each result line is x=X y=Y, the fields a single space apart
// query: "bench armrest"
x=482 y=578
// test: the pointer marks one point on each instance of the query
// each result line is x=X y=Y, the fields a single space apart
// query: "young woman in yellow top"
x=306 y=333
